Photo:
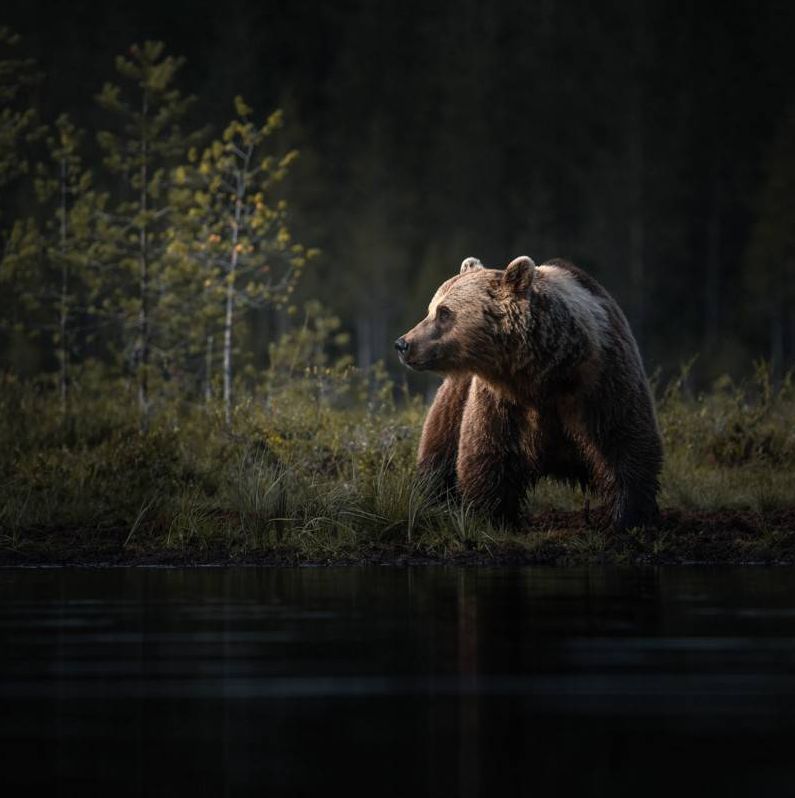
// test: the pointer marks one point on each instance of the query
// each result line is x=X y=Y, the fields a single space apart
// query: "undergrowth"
x=322 y=474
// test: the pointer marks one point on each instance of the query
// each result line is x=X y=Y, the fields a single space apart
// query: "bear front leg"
x=438 y=449
x=493 y=473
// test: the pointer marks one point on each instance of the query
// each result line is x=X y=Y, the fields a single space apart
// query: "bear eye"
x=443 y=314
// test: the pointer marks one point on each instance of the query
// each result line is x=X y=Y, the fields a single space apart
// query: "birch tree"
x=238 y=242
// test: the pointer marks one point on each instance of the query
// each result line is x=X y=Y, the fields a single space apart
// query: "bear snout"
x=403 y=346
x=416 y=348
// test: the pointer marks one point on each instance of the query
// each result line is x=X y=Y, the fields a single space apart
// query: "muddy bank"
x=555 y=538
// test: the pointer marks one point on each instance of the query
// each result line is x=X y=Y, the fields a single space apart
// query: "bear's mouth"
x=416 y=363
x=420 y=355
x=413 y=363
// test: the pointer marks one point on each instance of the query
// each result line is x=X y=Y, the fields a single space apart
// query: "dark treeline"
x=653 y=143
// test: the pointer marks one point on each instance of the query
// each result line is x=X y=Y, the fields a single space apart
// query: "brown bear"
x=542 y=377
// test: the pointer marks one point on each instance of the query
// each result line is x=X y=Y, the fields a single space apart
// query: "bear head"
x=469 y=318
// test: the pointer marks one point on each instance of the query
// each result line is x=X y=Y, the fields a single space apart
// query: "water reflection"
x=431 y=681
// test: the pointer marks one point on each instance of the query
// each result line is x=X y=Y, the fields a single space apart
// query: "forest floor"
x=313 y=474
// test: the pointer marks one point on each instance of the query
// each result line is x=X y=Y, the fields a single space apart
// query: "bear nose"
x=402 y=345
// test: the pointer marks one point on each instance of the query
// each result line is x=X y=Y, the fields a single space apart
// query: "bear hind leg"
x=630 y=492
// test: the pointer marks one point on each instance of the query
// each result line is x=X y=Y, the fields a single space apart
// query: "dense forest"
x=170 y=212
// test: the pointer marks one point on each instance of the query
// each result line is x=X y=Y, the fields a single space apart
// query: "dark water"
x=398 y=682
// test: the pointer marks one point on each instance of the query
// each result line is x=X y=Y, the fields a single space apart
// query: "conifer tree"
x=17 y=122
x=64 y=189
x=237 y=238
x=146 y=143
x=47 y=255
x=770 y=278
x=18 y=128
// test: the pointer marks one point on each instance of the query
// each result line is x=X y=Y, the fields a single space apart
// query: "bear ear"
x=519 y=274
x=470 y=264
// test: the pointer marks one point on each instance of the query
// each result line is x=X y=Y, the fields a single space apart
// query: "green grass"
x=302 y=478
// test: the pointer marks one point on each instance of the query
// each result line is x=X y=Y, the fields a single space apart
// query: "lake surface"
x=382 y=681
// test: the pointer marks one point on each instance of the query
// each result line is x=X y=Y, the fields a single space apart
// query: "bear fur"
x=542 y=378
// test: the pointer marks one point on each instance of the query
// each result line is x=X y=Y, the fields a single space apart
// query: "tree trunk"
x=636 y=166
x=143 y=313
x=378 y=325
x=228 y=318
x=791 y=350
x=776 y=343
x=240 y=194
x=63 y=316
x=230 y=303
x=364 y=355
x=712 y=278
x=208 y=370
x=637 y=231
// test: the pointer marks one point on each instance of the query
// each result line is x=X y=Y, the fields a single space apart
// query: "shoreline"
x=687 y=538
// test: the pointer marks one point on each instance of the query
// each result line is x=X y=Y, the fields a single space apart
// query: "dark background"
x=653 y=143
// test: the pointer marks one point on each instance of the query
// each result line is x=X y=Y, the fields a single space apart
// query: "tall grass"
x=315 y=478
